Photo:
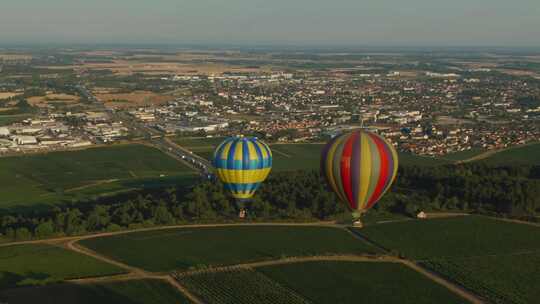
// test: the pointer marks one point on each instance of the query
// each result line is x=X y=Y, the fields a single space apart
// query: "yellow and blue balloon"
x=242 y=164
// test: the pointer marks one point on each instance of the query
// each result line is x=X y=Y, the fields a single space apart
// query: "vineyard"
x=454 y=237
x=497 y=278
x=239 y=286
x=126 y=292
x=185 y=248
x=359 y=282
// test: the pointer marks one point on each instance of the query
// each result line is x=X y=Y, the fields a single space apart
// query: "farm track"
x=104 y=234
x=134 y=273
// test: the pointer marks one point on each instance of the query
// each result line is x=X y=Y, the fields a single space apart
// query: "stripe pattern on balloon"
x=360 y=167
x=242 y=164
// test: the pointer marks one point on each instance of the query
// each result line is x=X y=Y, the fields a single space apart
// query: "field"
x=241 y=286
x=48 y=178
x=39 y=264
x=127 y=292
x=463 y=155
x=455 y=237
x=11 y=119
x=288 y=157
x=500 y=279
x=185 y=248
x=6 y=95
x=490 y=257
x=358 y=282
x=159 y=65
x=50 y=98
x=521 y=155
x=133 y=99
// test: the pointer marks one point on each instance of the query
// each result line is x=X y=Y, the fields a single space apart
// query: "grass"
x=125 y=292
x=519 y=155
x=289 y=157
x=48 y=178
x=463 y=155
x=239 y=286
x=500 y=279
x=187 y=248
x=10 y=119
x=456 y=237
x=359 y=282
x=38 y=264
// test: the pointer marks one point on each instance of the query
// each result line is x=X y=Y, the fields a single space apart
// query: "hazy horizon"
x=384 y=23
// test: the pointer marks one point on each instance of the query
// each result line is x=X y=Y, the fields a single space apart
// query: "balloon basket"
x=356 y=219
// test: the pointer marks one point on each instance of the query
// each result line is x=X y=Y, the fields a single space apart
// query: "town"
x=418 y=110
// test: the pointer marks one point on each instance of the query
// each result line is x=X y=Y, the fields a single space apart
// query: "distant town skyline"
x=496 y=23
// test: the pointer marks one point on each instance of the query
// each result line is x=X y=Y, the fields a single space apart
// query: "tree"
x=44 y=229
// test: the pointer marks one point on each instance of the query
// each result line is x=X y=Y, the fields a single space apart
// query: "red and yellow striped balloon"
x=360 y=167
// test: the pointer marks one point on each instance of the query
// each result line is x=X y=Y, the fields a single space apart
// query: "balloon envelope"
x=360 y=167
x=242 y=164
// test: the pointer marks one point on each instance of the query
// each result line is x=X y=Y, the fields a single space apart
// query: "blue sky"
x=293 y=22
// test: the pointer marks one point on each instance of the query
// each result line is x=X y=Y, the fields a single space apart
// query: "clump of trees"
x=296 y=196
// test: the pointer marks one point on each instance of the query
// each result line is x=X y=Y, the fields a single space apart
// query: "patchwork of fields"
x=495 y=259
x=53 y=177
x=185 y=248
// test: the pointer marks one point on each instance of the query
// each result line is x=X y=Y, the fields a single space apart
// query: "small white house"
x=421 y=215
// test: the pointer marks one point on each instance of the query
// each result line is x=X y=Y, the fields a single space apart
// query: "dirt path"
x=134 y=273
x=291 y=260
x=435 y=277
x=97 y=183
x=104 y=234
x=489 y=153
x=72 y=245
x=464 y=293
x=514 y=221
x=274 y=150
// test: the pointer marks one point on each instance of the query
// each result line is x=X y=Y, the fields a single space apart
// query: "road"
x=71 y=243
x=157 y=139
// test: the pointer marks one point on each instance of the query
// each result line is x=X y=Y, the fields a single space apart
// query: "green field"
x=288 y=157
x=10 y=119
x=240 y=286
x=183 y=248
x=359 y=282
x=512 y=278
x=465 y=236
x=463 y=155
x=126 y=292
x=520 y=155
x=39 y=264
x=53 y=177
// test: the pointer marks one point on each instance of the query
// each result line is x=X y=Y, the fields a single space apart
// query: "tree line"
x=292 y=196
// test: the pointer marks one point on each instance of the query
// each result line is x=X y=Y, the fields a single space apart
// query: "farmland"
x=520 y=155
x=289 y=157
x=500 y=279
x=39 y=264
x=48 y=178
x=351 y=282
x=241 y=286
x=126 y=292
x=463 y=237
x=185 y=248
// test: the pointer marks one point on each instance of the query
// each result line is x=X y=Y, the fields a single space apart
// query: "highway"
x=157 y=139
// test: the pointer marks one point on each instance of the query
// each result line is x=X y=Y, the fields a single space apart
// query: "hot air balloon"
x=360 y=167
x=242 y=164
